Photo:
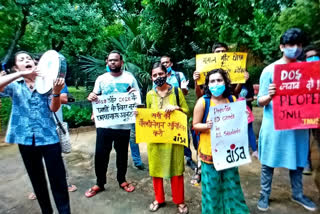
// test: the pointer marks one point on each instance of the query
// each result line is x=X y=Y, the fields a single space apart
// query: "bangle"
x=56 y=95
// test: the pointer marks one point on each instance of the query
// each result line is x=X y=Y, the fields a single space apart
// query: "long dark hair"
x=158 y=65
x=225 y=76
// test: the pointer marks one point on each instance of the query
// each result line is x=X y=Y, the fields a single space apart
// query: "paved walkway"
x=15 y=186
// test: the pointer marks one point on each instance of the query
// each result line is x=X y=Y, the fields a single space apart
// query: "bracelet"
x=56 y=95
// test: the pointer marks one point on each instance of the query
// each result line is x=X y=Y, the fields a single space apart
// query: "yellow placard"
x=158 y=126
x=232 y=62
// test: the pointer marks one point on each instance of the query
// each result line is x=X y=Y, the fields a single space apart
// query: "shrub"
x=5 y=111
x=78 y=94
x=77 y=116
x=255 y=72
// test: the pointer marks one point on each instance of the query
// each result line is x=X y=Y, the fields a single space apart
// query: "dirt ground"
x=15 y=184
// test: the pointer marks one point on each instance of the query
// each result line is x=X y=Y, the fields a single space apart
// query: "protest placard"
x=296 y=104
x=115 y=109
x=158 y=126
x=229 y=135
x=232 y=62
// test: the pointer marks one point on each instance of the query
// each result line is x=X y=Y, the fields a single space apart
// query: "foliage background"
x=144 y=30
x=84 y=31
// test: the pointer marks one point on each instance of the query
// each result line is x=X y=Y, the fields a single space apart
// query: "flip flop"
x=72 y=188
x=127 y=187
x=154 y=206
x=32 y=196
x=93 y=191
x=196 y=179
x=183 y=209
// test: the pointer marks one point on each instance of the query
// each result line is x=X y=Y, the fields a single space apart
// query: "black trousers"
x=105 y=138
x=32 y=157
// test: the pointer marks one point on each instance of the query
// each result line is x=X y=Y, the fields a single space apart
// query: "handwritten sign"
x=232 y=62
x=115 y=109
x=296 y=104
x=229 y=135
x=157 y=126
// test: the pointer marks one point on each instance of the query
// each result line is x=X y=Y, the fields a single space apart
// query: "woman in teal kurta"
x=166 y=160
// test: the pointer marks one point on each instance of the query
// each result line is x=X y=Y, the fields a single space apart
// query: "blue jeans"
x=252 y=138
x=295 y=177
x=134 y=147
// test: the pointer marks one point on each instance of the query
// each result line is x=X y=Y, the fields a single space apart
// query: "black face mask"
x=160 y=81
x=116 y=70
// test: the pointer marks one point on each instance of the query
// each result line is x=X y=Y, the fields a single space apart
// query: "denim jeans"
x=252 y=138
x=187 y=150
x=134 y=147
x=295 y=177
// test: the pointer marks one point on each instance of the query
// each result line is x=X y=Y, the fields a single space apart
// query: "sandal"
x=127 y=187
x=154 y=206
x=72 y=188
x=183 y=209
x=196 y=179
x=93 y=191
x=32 y=196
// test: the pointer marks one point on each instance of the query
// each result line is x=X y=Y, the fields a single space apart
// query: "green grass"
x=78 y=94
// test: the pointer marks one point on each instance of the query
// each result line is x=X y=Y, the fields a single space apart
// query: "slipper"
x=196 y=179
x=93 y=191
x=72 y=188
x=183 y=209
x=32 y=196
x=154 y=206
x=127 y=187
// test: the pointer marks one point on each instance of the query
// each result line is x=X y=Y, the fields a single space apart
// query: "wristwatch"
x=56 y=95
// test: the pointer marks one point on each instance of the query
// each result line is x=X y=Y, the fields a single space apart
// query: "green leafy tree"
x=304 y=15
x=13 y=20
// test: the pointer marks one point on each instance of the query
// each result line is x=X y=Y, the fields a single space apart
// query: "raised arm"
x=7 y=79
x=57 y=87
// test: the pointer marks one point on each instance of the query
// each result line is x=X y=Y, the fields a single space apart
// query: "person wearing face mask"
x=166 y=160
x=221 y=190
x=115 y=81
x=281 y=148
x=218 y=47
x=177 y=79
x=312 y=54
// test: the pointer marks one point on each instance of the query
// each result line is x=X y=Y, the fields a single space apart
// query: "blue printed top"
x=30 y=116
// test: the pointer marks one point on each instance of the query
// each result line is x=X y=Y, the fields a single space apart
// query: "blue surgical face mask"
x=292 y=53
x=108 y=69
x=313 y=59
x=169 y=69
x=217 y=90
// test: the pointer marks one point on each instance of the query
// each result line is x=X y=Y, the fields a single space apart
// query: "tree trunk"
x=19 y=33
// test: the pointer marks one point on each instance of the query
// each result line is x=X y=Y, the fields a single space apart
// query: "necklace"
x=30 y=85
